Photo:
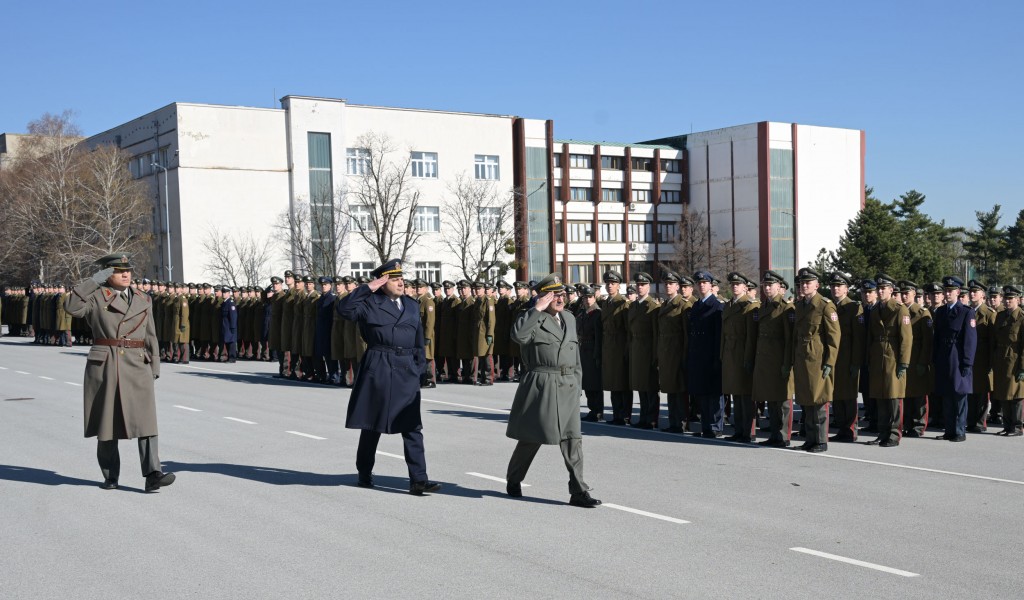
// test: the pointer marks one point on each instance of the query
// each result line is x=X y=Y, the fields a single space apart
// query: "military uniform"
x=889 y=345
x=446 y=353
x=642 y=336
x=181 y=328
x=325 y=368
x=773 y=364
x=816 y=339
x=704 y=358
x=428 y=317
x=615 y=352
x=1008 y=363
x=919 y=373
x=229 y=326
x=954 y=344
x=738 y=347
x=977 y=401
x=848 y=364
x=588 y=331
x=671 y=352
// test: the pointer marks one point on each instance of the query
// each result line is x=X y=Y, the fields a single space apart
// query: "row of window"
x=586 y=194
x=424 y=164
x=427 y=219
x=142 y=165
x=584 y=271
x=428 y=271
x=612 y=231
x=637 y=163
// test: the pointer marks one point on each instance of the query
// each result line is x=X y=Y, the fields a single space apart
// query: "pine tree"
x=925 y=243
x=871 y=242
x=986 y=247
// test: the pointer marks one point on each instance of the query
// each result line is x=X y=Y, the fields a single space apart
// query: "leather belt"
x=119 y=343
x=555 y=370
x=392 y=349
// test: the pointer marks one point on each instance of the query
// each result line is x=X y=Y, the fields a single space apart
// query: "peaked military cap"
x=551 y=283
x=419 y=283
x=612 y=277
x=504 y=284
x=907 y=286
x=994 y=290
x=571 y=289
x=347 y=279
x=671 y=277
x=307 y=279
x=952 y=281
x=883 y=280
x=488 y=285
x=225 y=290
x=736 y=277
x=288 y=273
x=362 y=279
x=685 y=281
x=325 y=279
x=586 y=291
x=115 y=261
x=784 y=284
x=532 y=283
x=868 y=284
x=338 y=279
x=1011 y=291
x=478 y=284
x=391 y=268
x=703 y=276
x=631 y=289
x=520 y=285
x=448 y=284
x=840 y=278
x=807 y=274
x=932 y=287
x=642 y=277
x=435 y=285
x=462 y=284
x=974 y=284
x=276 y=279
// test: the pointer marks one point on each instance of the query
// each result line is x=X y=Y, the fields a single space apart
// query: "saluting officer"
x=848 y=360
x=739 y=345
x=1008 y=361
x=615 y=350
x=671 y=348
x=977 y=401
x=816 y=339
x=773 y=363
x=954 y=344
x=919 y=375
x=703 y=355
x=643 y=357
x=891 y=339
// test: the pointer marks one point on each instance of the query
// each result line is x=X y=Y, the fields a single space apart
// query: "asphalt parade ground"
x=266 y=504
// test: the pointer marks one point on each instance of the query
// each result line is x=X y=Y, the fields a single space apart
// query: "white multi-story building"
x=779 y=191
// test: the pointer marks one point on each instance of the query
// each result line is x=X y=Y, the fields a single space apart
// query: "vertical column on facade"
x=656 y=192
x=597 y=192
x=566 y=168
x=707 y=178
x=549 y=138
x=796 y=206
x=763 y=199
x=627 y=199
x=732 y=198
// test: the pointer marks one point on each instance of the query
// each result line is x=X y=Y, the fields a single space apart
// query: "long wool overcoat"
x=120 y=400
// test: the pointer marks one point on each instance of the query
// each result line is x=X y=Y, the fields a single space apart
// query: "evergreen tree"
x=986 y=246
x=871 y=242
x=925 y=244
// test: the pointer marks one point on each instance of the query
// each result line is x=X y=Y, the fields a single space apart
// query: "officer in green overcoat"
x=848 y=360
x=671 y=348
x=890 y=339
x=642 y=336
x=1008 y=361
x=615 y=350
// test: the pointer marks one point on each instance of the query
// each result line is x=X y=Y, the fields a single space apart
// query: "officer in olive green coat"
x=816 y=338
x=615 y=349
x=298 y=327
x=466 y=331
x=848 y=360
x=642 y=337
x=483 y=325
x=977 y=400
x=1008 y=361
x=671 y=348
x=428 y=318
x=890 y=339
x=739 y=345
x=181 y=329
x=773 y=362
x=919 y=374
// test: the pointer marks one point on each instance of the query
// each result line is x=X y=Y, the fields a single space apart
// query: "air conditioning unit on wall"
x=632 y=245
x=632 y=207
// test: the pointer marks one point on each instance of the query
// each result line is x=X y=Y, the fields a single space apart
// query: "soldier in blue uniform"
x=954 y=342
x=386 y=394
x=324 y=367
x=229 y=325
x=703 y=356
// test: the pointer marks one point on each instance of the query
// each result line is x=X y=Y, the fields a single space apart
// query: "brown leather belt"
x=121 y=343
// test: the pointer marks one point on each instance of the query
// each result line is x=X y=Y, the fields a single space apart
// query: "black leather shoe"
x=912 y=434
x=959 y=438
x=815 y=448
x=1017 y=433
x=805 y=446
x=732 y=438
x=774 y=443
x=875 y=442
x=592 y=417
x=418 y=488
x=365 y=481
x=974 y=429
x=514 y=489
x=639 y=425
x=617 y=422
x=673 y=429
x=889 y=443
x=109 y=484
x=157 y=480
x=714 y=435
x=841 y=438
x=584 y=500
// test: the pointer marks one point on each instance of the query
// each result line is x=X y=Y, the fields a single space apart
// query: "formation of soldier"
x=747 y=357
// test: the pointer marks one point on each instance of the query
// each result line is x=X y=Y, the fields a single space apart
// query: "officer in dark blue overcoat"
x=955 y=339
x=324 y=368
x=703 y=356
x=229 y=325
x=386 y=394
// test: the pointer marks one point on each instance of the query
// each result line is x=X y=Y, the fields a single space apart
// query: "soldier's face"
x=840 y=291
x=590 y=300
x=121 y=278
x=671 y=288
x=908 y=297
x=557 y=302
x=884 y=293
x=643 y=289
x=395 y=286
x=478 y=292
x=937 y=298
x=808 y=288
x=277 y=287
x=324 y=288
x=613 y=287
x=738 y=289
x=1011 y=302
x=952 y=295
x=289 y=281
x=994 y=300
x=464 y=292
x=704 y=287
x=977 y=296
x=686 y=291
x=309 y=286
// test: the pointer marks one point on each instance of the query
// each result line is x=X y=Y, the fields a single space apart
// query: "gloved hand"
x=921 y=369
x=156 y=377
x=181 y=328
x=854 y=370
x=101 y=276
x=426 y=342
x=826 y=371
x=785 y=370
x=901 y=371
x=748 y=366
x=489 y=339
x=965 y=371
x=1020 y=376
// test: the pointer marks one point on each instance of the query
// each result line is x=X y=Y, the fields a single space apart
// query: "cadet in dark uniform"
x=466 y=312
x=386 y=394
x=954 y=344
x=919 y=375
x=816 y=339
x=615 y=350
x=994 y=301
x=848 y=360
x=869 y=292
x=890 y=342
x=503 y=330
x=325 y=368
x=739 y=345
x=229 y=325
x=977 y=401
x=773 y=363
x=671 y=348
x=447 y=354
x=546 y=406
x=642 y=337
x=588 y=330
x=703 y=355
x=1008 y=361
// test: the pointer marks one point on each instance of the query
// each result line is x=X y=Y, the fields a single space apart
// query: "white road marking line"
x=23 y=372
x=260 y=375
x=493 y=478
x=497 y=410
x=859 y=563
x=73 y=383
x=46 y=378
x=3 y=368
x=391 y=455
x=308 y=435
x=644 y=513
x=187 y=408
x=241 y=421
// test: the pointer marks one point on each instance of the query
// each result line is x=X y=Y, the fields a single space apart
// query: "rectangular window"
x=617 y=267
x=641 y=232
x=424 y=164
x=641 y=163
x=670 y=196
x=610 y=231
x=635 y=266
x=357 y=161
x=557 y=157
x=666 y=233
x=362 y=269
x=580 y=161
x=163 y=157
x=581 y=231
x=362 y=219
x=490 y=219
x=581 y=272
x=321 y=202
x=611 y=162
x=557 y=191
x=582 y=194
x=558 y=231
x=486 y=167
x=611 y=195
x=669 y=165
x=427 y=219
x=641 y=195
x=428 y=271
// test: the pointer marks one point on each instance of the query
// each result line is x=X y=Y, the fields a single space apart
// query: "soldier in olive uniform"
x=483 y=324
x=588 y=330
x=338 y=334
x=642 y=337
x=447 y=344
x=994 y=300
x=615 y=350
x=671 y=348
x=309 y=311
x=181 y=329
x=466 y=336
x=503 y=330
x=848 y=360
x=816 y=339
x=522 y=298
x=919 y=375
x=297 y=328
x=428 y=317
x=773 y=362
x=739 y=345
x=869 y=293
x=1008 y=361
x=977 y=401
x=890 y=342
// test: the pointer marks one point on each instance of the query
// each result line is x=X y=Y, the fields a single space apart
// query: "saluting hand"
x=544 y=301
x=378 y=283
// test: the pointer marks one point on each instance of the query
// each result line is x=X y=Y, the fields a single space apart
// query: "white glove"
x=101 y=277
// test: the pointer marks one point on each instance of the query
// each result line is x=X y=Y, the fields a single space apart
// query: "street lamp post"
x=167 y=221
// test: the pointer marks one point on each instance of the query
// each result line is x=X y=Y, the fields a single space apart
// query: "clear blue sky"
x=936 y=85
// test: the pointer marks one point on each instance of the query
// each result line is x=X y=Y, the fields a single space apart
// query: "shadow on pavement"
x=255 y=378
x=40 y=476
x=269 y=475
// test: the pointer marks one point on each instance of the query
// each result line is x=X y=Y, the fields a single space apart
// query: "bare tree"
x=314 y=237
x=379 y=200
x=478 y=222
x=117 y=201
x=698 y=248
x=236 y=259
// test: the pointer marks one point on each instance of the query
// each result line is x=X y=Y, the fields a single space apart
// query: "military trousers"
x=572 y=454
x=977 y=410
x=915 y=411
x=890 y=419
x=110 y=459
x=936 y=412
x=1012 y=414
x=815 y=424
x=595 y=401
x=650 y=408
x=483 y=369
x=844 y=411
x=743 y=415
x=712 y=413
x=622 y=406
x=871 y=413
x=412 y=444
x=780 y=420
x=678 y=411
x=954 y=408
